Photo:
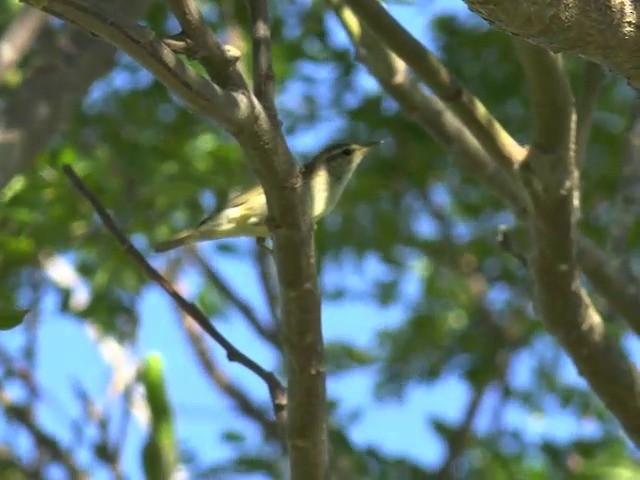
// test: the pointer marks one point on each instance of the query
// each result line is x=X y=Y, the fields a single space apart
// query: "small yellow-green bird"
x=245 y=215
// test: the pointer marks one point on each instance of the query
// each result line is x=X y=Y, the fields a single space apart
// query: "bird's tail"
x=182 y=238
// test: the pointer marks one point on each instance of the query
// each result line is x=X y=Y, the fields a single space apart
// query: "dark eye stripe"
x=347 y=151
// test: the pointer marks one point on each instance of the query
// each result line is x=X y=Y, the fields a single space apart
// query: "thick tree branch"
x=276 y=389
x=217 y=61
x=18 y=38
x=264 y=145
x=599 y=352
x=437 y=121
x=263 y=76
x=503 y=149
x=605 y=31
x=141 y=44
x=550 y=175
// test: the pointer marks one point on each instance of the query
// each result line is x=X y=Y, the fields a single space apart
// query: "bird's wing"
x=253 y=194
x=252 y=201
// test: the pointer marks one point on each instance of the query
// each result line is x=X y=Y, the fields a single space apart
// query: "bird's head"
x=341 y=159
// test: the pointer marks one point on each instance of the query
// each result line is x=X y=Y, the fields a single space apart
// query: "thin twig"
x=276 y=389
x=250 y=315
x=263 y=75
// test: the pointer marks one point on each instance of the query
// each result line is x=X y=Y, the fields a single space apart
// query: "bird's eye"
x=347 y=151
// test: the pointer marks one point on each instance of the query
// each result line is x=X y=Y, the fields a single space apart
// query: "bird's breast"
x=325 y=193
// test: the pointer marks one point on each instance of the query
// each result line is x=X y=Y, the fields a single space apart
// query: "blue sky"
x=67 y=356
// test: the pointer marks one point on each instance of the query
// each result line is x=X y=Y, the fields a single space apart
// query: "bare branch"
x=18 y=38
x=141 y=44
x=276 y=389
x=226 y=291
x=550 y=175
x=263 y=75
x=222 y=382
x=219 y=64
x=290 y=219
x=435 y=118
x=497 y=142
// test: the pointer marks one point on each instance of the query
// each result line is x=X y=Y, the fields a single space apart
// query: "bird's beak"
x=368 y=146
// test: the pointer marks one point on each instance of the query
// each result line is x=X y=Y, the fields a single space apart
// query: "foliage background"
x=431 y=337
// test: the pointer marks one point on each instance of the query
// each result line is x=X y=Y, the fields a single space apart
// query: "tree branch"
x=550 y=176
x=605 y=31
x=444 y=127
x=216 y=60
x=222 y=382
x=276 y=389
x=141 y=44
x=428 y=111
x=488 y=132
x=263 y=76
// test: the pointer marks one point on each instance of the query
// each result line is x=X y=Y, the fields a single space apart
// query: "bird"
x=245 y=214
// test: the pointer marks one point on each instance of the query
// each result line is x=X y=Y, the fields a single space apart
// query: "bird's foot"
x=262 y=243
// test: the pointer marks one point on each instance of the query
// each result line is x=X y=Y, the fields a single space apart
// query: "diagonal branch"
x=497 y=142
x=594 y=352
x=428 y=111
x=452 y=134
x=550 y=175
x=276 y=389
x=263 y=76
x=219 y=64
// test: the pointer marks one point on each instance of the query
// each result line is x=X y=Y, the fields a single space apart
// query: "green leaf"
x=10 y=318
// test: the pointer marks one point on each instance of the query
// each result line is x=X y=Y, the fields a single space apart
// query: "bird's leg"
x=262 y=243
